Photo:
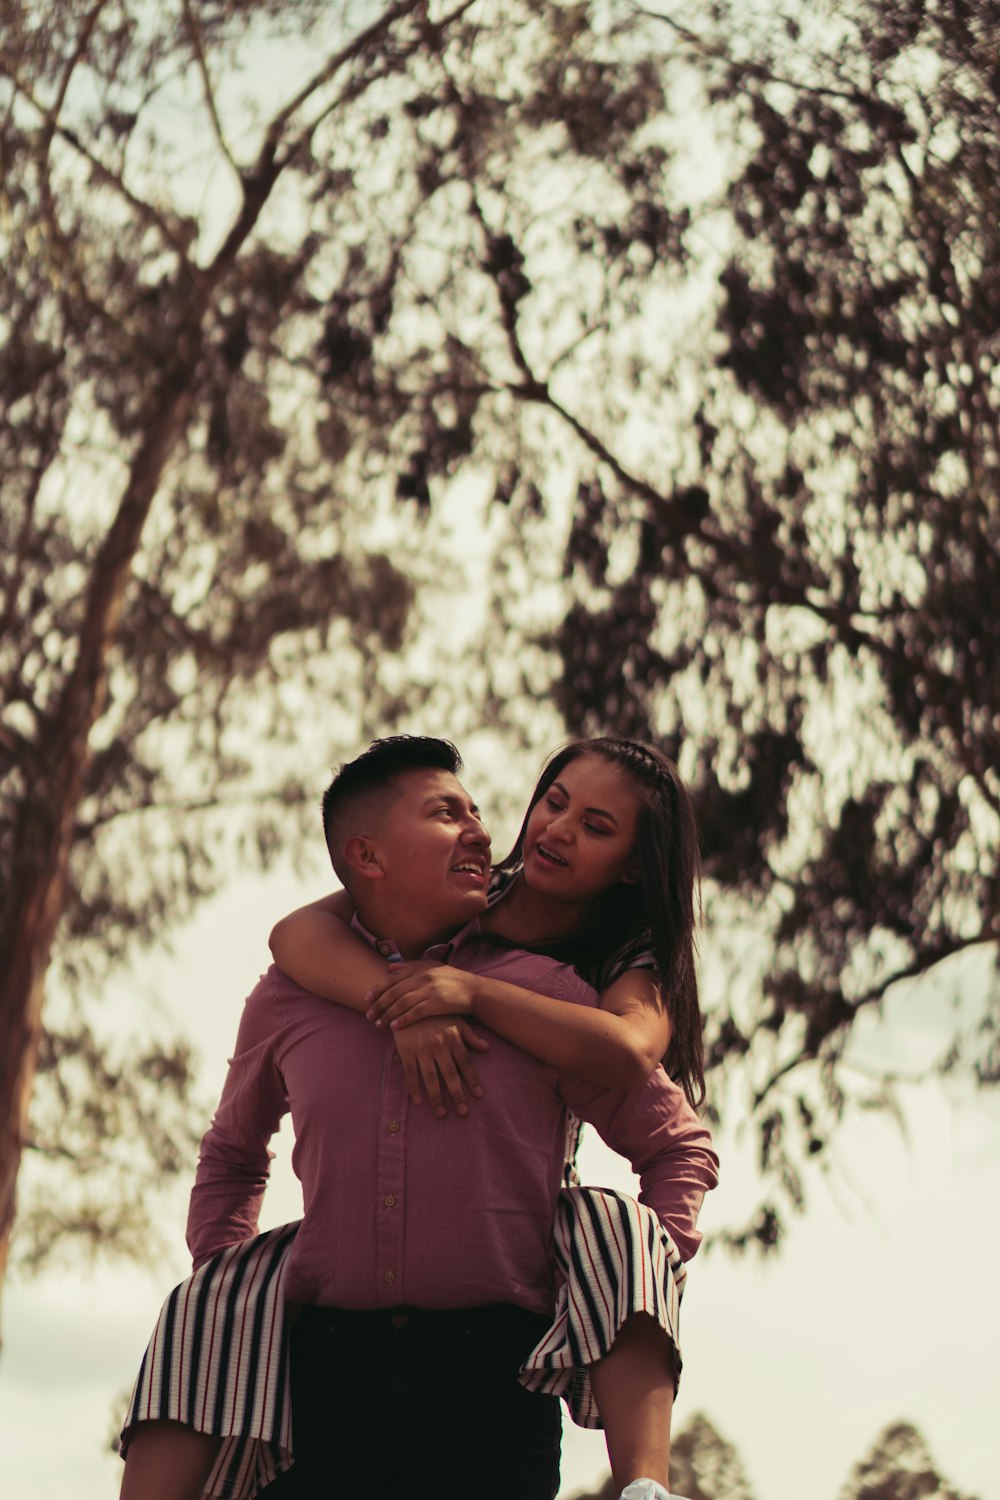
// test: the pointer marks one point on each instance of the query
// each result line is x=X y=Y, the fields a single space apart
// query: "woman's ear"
x=362 y=857
x=632 y=875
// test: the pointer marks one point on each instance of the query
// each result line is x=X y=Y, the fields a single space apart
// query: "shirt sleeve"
x=234 y=1161
x=669 y=1148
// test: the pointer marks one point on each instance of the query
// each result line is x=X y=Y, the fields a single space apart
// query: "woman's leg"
x=634 y=1389
x=620 y=1292
x=168 y=1461
x=183 y=1371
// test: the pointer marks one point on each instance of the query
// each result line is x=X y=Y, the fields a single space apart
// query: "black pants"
x=418 y=1405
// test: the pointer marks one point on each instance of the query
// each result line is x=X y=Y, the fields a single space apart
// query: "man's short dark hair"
x=371 y=775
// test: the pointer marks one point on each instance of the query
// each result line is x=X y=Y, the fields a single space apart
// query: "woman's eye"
x=595 y=828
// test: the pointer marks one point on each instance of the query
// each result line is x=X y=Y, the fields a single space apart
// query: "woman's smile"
x=549 y=856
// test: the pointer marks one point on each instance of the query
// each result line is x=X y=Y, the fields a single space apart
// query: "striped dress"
x=218 y=1358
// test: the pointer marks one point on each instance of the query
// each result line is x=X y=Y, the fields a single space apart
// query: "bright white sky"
x=883 y=1304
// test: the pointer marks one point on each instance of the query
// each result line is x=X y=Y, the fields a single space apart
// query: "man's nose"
x=476 y=832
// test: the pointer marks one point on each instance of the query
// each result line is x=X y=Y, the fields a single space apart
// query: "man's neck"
x=411 y=935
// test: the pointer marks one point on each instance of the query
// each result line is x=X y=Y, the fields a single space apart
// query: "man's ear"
x=362 y=857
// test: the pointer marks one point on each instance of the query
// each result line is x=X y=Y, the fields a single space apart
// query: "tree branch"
x=574 y=345
x=48 y=197
x=259 y=180
x=18 y=563
x=146 y=212
x=86 y=32
x=438 y=27
x=191 y=805
x=925 y=960
x=194 y=31
x=764 y=74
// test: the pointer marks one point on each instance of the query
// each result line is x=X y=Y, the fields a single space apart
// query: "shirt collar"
x=440 y=951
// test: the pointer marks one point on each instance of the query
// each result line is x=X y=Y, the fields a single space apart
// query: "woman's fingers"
x=397 y=1020
x=392 y=999
x=417 y=991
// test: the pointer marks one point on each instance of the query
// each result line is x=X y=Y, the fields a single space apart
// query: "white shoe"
x=647 y=1489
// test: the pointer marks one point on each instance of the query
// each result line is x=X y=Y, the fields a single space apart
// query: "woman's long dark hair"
x=659 y=912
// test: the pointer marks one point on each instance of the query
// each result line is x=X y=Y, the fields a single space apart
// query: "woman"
x=604 y=874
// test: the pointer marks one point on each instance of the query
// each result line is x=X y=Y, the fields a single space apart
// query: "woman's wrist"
x=483 y=993
x=474 y=998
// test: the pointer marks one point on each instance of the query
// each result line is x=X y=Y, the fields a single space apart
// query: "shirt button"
x=400 y=1320
x=396 y=1057
x=389 y=1201
x=390 y=1277
x=393 y=1126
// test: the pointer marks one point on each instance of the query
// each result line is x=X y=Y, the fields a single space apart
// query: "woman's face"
x=581 y=834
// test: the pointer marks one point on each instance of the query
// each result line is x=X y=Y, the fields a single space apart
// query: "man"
x=423 y=1264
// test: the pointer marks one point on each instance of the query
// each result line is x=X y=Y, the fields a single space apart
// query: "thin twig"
x=145 y=210
x=194 y=32
x=193 y=805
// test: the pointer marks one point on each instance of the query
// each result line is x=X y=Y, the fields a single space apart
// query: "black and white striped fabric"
x=218 y=1357
x=615 y=1259
x=218 y=1362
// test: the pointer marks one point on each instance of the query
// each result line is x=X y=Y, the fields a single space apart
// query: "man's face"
x=434 y=850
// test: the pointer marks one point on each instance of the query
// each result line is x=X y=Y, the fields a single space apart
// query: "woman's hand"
x=414 y=991
x=435 y=1056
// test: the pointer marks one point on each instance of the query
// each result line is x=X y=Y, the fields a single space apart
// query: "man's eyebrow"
x=452 y=800
x=600 y=811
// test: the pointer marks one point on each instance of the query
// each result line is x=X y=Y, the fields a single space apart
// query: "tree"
x=898 y=1467
x=703 y=1466
x=787 y=572
x=245 y=342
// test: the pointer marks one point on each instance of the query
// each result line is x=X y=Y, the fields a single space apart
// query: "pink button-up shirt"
x=404 y=1207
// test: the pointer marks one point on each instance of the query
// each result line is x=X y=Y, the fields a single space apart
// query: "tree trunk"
x=41 y=863
x=44 y=829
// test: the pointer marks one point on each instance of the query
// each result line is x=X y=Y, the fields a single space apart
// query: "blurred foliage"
x=689 y=329
x=783 y=562
x=103 y=1114
x=898 y=1467
x=705 y=1466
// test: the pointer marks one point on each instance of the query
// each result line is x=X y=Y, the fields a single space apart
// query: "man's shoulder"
x=482 y=954
x=274 y=996
x=658 y=1101
x=278 y=1012
x=275 y=984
